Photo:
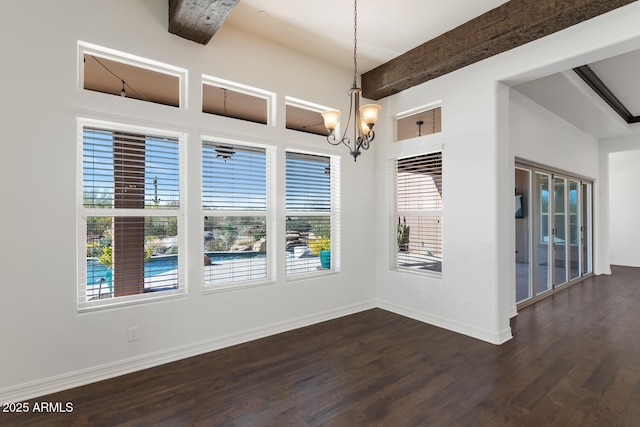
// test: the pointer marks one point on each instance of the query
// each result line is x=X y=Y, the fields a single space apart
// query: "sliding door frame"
x=583 y=252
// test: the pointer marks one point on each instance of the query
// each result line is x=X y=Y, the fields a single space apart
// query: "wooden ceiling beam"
x=198 y=20
x=510 y=25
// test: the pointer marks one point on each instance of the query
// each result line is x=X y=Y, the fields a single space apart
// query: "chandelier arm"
x=365 y=140
x=346 y=141
x=331 y=139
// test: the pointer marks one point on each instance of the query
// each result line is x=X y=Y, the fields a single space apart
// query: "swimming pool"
x=161 y=264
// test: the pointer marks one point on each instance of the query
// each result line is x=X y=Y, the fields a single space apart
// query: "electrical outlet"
x=132 y=333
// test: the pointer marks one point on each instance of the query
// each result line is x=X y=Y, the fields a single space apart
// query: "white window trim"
x=83 y=213
x=417 y=110
x=335 y=162
x=394 y=212
x=270 y=213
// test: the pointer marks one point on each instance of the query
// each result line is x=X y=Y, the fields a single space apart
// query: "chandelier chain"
x=355 y=43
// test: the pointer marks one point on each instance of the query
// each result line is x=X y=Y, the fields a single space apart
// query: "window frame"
x=82 y=213
x=333 y=214
x=85 y=48
x=269 y=213
x=396 y=213
x=423 y=109
x=243 y=89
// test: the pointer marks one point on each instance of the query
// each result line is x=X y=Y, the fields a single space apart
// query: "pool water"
x=153 y=267
x=161 y=264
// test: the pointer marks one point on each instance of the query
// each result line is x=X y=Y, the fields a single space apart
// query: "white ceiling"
x=568 y=96
x=324 y=28
x=387 y=29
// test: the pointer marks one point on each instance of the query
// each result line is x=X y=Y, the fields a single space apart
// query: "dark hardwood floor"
x=574 y=360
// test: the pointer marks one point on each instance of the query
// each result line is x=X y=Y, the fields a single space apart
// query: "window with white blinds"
x=129 y=215
x=308 y=185
x=418 y=213
x=312 y=202
x=129 y=170
x=234 y=177
x=235 y=202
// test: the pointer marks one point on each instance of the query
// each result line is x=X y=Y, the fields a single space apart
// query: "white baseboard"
x=479 y=333
x=513 y=312
x=69 y=380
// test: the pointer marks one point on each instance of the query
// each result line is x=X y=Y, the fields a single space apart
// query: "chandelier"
x=364 y=116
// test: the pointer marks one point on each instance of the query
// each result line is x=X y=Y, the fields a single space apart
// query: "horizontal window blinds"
x=308 y=182
x=233 y=177
x=418 y=192
x=235 y=190
x=129 y=170
x=235 y=249
x=419 y=182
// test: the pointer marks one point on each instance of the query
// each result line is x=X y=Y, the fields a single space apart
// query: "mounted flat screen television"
x=519 y=206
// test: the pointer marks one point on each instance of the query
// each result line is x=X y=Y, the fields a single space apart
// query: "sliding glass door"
x=542 y=229
x=556 y=226
x=559 y=246
x=575 y=238
x=586 y=238
x=524 y=288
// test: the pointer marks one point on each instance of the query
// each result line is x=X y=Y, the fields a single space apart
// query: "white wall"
x=621 y=157
x=481 y=140
x=46 y=344
x=624 y=207
x=539 y=136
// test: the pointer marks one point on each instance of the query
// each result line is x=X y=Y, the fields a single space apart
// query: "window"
x=235 y=199
x=418 y=213
x=420 y=122
x=128 y=76
x=237 y=101
x=311 y=213
x=305 y=117
x=130 y=214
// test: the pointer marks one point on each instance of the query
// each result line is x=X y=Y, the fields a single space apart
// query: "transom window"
x=130 y=77
x=305 y=116
x=234 y=100
x=418 y=122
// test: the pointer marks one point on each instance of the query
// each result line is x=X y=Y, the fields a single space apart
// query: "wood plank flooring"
x=574 y=360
